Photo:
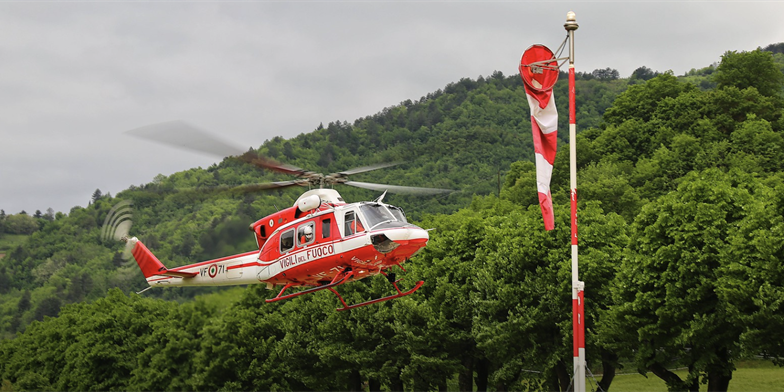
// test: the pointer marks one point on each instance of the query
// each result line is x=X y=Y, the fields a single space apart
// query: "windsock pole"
x=578 y=287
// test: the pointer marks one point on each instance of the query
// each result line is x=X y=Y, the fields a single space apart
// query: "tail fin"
x=150 y=265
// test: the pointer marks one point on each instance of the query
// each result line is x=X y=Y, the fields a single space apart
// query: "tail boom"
x=231 y=270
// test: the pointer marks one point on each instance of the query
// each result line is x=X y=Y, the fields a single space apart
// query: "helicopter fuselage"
x=310 y=246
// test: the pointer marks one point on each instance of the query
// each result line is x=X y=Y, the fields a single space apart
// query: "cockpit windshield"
x=398 y=213
x=376 y=214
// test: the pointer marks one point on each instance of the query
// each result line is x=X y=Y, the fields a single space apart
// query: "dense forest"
x=681 y=247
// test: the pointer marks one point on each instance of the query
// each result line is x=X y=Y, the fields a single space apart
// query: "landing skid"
x=340 y=279
x=398 y=295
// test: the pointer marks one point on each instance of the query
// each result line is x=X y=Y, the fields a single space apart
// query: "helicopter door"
x=352 y=224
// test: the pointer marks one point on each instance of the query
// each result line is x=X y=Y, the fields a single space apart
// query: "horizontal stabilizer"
x=178 y=274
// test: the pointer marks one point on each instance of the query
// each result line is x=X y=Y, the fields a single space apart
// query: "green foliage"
x=750 y=69
x=20 y=224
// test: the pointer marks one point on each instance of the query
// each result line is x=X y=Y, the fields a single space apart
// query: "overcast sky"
x=75 y=75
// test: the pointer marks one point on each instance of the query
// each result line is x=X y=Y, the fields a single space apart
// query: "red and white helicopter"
x=318 y=243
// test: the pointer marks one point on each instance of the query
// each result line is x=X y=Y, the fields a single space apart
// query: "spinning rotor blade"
x=398 y=188
x=243 y=189
x=367 y=168
x=250 y=188
x=182 y=135
x=269 y=164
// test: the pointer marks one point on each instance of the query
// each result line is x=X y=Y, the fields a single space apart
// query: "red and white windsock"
x=539 y=71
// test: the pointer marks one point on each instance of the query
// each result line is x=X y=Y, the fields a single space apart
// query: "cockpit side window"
x=287 y=241
x=352 y=224
x=306 y=234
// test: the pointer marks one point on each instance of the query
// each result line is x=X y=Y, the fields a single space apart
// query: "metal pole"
x=578 y=287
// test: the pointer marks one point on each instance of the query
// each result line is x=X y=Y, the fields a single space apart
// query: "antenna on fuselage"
x=380 y=198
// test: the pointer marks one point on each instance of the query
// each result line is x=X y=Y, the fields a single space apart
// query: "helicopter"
x=318 y=243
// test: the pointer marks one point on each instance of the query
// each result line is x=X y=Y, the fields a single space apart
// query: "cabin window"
x=287 y=241
x=306 y=234
x=353 y=224
x=326 y=226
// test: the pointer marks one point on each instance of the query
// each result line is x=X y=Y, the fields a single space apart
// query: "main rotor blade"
x=185 y=136
x=270 y=164
x=182 y=135
x=367 y=168
x=249 y=188
x=398 y=188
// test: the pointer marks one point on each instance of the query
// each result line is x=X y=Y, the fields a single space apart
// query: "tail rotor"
x=117 y=226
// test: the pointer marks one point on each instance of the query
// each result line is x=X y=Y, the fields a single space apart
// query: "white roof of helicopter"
x=327 y=196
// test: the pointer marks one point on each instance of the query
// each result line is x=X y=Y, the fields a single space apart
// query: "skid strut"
x=339 y=279
x=392 y=280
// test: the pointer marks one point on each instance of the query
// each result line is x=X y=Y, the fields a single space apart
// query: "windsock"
x=539 y=81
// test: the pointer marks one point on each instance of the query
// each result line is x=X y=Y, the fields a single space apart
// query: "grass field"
x=751 y=376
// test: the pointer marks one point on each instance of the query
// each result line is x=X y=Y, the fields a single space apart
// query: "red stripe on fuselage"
x=184 y=267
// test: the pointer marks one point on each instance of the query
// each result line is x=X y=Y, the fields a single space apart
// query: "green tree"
x=640 y=101
x=524 y=290
x=681 y=298
x=759 y=245
x=750 y=69
x=440 y=329
x=20 y=224
x=643 y=73
x=97 y=195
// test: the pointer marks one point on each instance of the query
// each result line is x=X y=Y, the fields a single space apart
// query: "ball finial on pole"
x=571 y=23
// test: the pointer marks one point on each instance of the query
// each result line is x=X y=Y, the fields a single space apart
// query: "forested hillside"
x=680 y=184
x=463 y=137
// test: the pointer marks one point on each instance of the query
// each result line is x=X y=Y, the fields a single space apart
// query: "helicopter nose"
x=408 y=236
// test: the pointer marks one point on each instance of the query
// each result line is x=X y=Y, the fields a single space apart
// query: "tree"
x=20 y=224
x=681 y=297
x=605 y=74
x=97 y=195
x=524 y=294
x=750 y=69
x=5 y=281
x=644 y=73
x=49 y=216
x=775 y=48
x=440 y=329
x=48 y=307
x=641 y=100
x=759 y=244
